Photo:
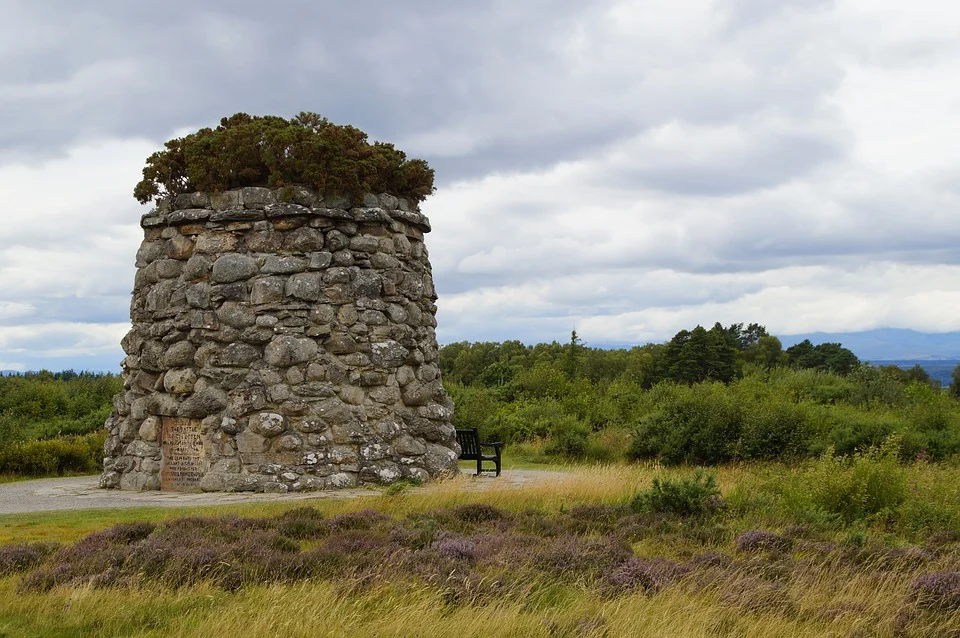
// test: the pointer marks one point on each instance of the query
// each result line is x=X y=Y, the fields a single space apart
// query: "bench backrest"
x=469 y=441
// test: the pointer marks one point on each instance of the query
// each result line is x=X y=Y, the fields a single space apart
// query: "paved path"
x=45 y=495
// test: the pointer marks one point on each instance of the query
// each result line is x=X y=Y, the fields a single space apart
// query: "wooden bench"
x=471 y=449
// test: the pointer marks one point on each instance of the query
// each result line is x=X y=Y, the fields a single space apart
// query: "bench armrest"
x=497 y=444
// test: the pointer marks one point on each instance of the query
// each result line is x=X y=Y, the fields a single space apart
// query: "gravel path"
x=77 y=493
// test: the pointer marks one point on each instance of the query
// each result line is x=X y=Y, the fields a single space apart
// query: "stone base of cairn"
x=281 y=342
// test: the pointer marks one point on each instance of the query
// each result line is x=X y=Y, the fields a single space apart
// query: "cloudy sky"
x=627 y=169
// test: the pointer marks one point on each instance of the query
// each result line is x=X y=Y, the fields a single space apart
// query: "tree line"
x=691 y=356
x=705 y=396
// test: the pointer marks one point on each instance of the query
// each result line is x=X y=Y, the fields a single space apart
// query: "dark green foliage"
x=696 y=424
x=272 y=151
x=694 y=495
x=732 y=398
x=830 y=357
x=568 y=438
x=573 y=355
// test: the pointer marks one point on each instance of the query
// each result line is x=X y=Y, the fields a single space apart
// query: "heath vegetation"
x=728 y=487
x=606 y=551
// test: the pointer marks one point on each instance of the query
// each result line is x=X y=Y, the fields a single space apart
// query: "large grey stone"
x=150 y=429
x=203 y=403
x=388 y=354
x=249 y=442
x=287 y=350
x=304 y=240
x=368 y=284
x=139 y=481
x=304 y=286
x=268 y=424
x=257 y=197
x=409 y=446
x=439 y=460
x=179 y=247
x=267 y=290
x=289 y=443
x=179 y=380
x=217 y=242
x=237 y=355
x=233 y=267
x=279 y=265
x=319 y=261
x=236 y=315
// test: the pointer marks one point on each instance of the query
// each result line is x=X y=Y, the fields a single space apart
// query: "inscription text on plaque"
x=181 y=444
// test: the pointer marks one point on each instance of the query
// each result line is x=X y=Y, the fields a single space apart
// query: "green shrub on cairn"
x=272 y=151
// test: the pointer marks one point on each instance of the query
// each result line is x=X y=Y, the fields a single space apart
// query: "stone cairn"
x=281 y=341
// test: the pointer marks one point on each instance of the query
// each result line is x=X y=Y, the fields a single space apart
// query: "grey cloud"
x=383 y=66
x=772 y=162
x=498 y=72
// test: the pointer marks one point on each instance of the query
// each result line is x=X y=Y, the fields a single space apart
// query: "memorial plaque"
x=181 y=444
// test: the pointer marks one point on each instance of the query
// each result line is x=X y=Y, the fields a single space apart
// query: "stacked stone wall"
x=281 y=341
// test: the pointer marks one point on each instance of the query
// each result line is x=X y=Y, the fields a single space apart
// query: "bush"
x=568 y=438
x=848 y=429
x=771 y=427
x=868 y=484
x=689 y=496
x=608 y=445
x=693 y=424
x=525 y=420
x=86 y=424
x=476 y=407
x=78 y=454
x=272 y=151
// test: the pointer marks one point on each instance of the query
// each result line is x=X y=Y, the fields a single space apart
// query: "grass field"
x=569 y=558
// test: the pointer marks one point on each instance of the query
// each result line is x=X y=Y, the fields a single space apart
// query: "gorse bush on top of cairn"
x=272 y=151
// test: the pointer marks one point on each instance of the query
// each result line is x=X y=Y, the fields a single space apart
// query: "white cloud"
x=59 y=340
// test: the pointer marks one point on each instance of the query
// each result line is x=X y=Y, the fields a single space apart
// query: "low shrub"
x=568 y=438
x=608 y=445
x=695 y=495
x=53 y=457
x=692 y=424
x=940 y=590
x=759 y=540
x=647 y=574
x=868 y=484
x=21 y=557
